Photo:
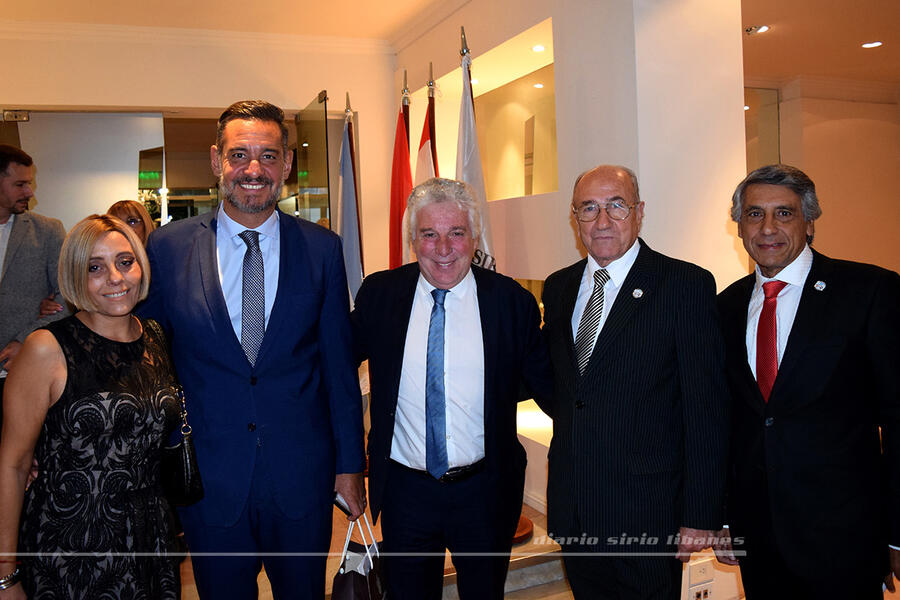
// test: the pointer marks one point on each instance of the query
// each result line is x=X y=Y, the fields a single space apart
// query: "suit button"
x=579 y=404
x=769 y=421
x=253 y=381
x=251 y=426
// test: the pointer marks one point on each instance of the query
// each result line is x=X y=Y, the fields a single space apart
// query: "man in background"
x=256 y=308
x=29 y=254
x=637 y=459
x=813 y=346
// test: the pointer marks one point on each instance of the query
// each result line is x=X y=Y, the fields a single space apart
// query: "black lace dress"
x=95 y=524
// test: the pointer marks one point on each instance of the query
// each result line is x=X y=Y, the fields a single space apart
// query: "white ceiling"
x=818 y=38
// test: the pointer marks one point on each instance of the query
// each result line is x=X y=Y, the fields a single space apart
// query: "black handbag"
x=179 y=472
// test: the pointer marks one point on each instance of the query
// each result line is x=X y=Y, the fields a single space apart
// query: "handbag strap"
x=366 y=544
x=179 y=390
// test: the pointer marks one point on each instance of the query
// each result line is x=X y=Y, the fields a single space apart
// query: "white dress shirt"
x=463 y=378
x=794 y=275
x=618 y=271
x=230 y=250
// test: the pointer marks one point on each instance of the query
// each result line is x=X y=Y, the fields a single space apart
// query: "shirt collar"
x=460 y=290
x=793 y=274
x=617 y=269
x=231 y=228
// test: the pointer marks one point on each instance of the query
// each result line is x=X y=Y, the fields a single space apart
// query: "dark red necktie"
x=767 y=339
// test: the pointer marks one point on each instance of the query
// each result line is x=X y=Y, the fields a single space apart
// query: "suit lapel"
x=490 y=330
x=811 y=313
x=567 y=307
x=398 y=323
x=208 y=266
x=640 y=277
x=21 y=222
x=291 y=268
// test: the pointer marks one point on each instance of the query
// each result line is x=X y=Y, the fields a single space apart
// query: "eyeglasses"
x=132 y=221
x=616 y=210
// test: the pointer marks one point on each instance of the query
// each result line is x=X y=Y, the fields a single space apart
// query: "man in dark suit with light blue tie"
x=449 y=347
x=255 y=305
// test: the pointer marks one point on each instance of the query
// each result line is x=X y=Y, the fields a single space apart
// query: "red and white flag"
x=401 y=186
x=426 y=163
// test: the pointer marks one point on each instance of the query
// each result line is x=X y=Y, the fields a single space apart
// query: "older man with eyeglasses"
x=637 y=460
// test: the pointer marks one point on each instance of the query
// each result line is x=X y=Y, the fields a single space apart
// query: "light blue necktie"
x=435 y=418
x=253 y=297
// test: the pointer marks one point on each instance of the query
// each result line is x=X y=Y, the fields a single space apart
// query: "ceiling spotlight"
x=871 y=44
x=538 y=48
x=746 y=107
x=474 y=81
x=754 y=29
x=305 y=144
x=539 y=85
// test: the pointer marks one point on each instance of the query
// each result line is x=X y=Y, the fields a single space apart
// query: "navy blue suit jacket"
x=515 y=365
x=299 y=406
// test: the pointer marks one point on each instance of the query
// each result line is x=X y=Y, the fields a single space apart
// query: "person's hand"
x=895 y=571
x=723 y=548
x=692 y=540
x=353 y=489
x=8 y=354
x=49 y=306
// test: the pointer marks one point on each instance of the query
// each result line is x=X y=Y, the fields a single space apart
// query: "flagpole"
x=431 y=126
x=404 y=102
x=349 y=116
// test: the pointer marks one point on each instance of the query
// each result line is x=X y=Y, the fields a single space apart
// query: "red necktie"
x=767 y=340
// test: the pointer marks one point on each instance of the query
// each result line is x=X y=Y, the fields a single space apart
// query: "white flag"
x=468 y=167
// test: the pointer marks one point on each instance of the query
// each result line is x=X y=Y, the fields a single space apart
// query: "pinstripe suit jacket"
x=29 y=275
x=639 y=441
x=812 y=453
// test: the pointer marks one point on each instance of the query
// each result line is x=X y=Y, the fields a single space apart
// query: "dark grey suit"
x=639 y=440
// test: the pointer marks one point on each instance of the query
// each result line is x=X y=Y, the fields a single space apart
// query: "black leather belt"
x=454 y=475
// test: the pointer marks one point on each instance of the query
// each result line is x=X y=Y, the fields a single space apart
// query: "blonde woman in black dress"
x=92 y=398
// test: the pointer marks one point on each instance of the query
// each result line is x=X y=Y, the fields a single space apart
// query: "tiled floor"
x=556 y=590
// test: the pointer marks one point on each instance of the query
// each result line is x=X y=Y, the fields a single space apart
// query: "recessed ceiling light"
x=754 y=29
x=305 y=144
x=871 y=44
x=539 y=85
x=746 y=107
x=538 y=48
x=474 y=81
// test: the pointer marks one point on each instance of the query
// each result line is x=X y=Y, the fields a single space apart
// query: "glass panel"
x=307 y=193
x=761 y=127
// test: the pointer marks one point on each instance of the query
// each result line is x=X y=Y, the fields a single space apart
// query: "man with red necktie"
x=812 y=348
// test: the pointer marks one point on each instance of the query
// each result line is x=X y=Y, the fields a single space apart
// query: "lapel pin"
x=637 y=293
x=820 y=285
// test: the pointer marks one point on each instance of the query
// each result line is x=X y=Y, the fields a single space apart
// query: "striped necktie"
x=590 y=320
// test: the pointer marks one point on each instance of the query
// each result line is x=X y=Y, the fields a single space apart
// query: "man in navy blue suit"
x=449 y=347
x=255 y=305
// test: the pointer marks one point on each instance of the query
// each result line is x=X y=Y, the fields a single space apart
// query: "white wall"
x=629 y=91
x=105 y=68
x=85 y=162
x=846 y=137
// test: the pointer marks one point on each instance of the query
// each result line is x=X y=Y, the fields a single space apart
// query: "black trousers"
x=635 y=577
x=423 y=517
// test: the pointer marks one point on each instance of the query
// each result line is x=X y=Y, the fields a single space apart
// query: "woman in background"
x=131 y=212
x=135 y=215
x=92 y=398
